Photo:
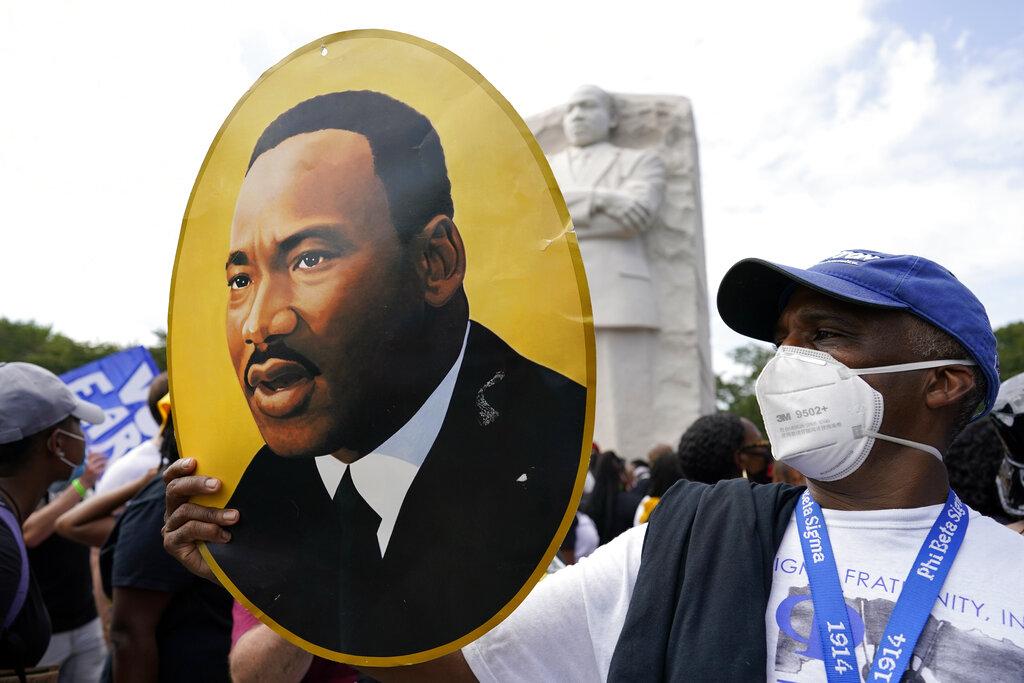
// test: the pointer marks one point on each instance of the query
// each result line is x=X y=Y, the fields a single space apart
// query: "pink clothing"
x=320 y=671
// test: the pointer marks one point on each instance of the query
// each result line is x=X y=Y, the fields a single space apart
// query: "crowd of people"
x=619 y=495
x=120 y=607
x=696 y=562
x=97 y=597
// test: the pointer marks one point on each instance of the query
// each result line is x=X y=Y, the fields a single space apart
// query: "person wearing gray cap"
x=41 y=441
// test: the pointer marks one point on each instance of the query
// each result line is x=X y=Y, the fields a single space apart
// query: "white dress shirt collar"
x=383 y=477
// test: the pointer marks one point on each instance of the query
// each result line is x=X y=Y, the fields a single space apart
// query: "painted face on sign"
x=322 y=289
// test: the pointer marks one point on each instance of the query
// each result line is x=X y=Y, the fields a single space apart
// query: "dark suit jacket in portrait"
x=481 y=511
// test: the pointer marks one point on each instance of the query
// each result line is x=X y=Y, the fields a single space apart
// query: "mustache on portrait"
x=280 y=351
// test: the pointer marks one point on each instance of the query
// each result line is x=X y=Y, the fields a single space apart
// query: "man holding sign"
x=876 y=569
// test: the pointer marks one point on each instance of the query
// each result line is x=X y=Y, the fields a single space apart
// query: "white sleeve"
x=129 y=467
x=115 y=475
x=567 y=628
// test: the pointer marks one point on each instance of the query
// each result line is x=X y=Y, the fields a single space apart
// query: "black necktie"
x=358 y=523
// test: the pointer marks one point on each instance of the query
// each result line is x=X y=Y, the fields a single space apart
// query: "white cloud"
x=961 y=40
x=822 y=126
x=897 y=152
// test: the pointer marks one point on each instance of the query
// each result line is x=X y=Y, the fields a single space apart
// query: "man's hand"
x=95 y=463
x=185 y=523
x=629 y=212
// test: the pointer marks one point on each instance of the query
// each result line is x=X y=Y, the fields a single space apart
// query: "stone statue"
x=613 y=194
x=628 y=170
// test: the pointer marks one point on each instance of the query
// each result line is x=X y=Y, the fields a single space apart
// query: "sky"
x=821 y=126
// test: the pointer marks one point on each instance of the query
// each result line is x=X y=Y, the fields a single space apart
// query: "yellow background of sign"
x=525 y=278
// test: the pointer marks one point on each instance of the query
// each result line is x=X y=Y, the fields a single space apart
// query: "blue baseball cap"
x=754 y=292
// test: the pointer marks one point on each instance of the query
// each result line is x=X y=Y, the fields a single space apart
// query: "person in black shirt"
x=24 y=642
x=41 y=442
x=167 y=624
x=64 y=574
x=65 y=578
x=611 y=506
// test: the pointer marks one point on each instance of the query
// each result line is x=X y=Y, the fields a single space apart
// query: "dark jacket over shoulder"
x=697 y=611
x=482 y=510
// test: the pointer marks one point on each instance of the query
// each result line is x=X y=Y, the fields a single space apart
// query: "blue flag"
x=119 y=384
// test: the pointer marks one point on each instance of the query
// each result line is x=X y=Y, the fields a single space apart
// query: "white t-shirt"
x=568 y=626
x=131 y=465
x=587 y=539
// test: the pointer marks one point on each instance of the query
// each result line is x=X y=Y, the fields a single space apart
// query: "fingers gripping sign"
x=188 y=524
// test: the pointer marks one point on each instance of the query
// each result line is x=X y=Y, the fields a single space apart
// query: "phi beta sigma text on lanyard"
x=910 y=614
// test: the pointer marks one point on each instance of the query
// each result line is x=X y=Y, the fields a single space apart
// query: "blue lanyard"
x=910 y=614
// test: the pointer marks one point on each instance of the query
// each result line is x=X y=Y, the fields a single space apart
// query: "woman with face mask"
x=41 y=441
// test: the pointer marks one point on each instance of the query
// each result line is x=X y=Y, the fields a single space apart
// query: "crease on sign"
x=567 y=228
x=508 y=275
x=578 y=318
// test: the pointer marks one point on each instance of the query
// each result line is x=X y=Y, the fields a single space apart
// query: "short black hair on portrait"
x=407 y=153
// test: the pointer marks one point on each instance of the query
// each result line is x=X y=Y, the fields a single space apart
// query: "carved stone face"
x=589 y=117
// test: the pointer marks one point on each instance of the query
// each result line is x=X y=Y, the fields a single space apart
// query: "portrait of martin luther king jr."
x=416 y=467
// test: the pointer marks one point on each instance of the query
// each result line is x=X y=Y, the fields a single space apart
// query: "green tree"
x=736 y=394
x=31 y=342
x=159 y=350
x=1010 y=343
x=39 y=344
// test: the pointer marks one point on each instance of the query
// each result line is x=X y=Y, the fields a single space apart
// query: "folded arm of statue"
x=607 y=214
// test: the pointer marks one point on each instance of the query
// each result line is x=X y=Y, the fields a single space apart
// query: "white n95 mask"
x=822 y=419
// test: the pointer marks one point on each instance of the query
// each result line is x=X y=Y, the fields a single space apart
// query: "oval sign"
x=381 y=342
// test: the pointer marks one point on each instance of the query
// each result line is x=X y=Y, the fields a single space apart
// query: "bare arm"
x=90 y=522
x=41 y=524
x=262 y=655
x=103 y=604
x=133 y=634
